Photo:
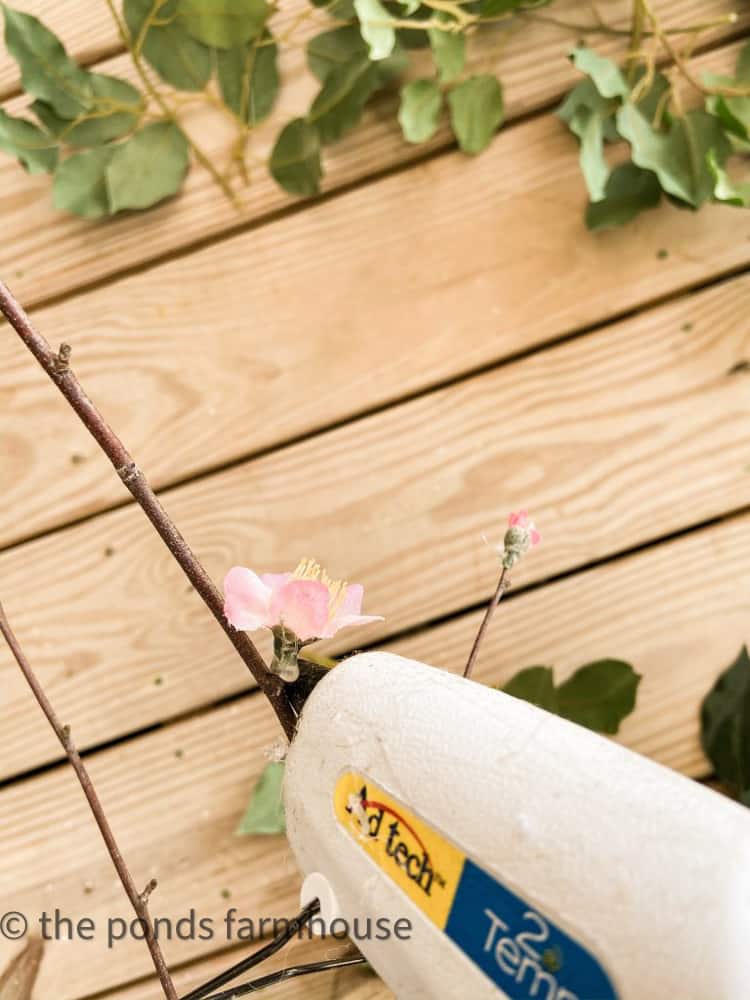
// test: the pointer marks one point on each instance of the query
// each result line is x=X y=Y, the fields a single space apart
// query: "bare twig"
x=138 y=900
x=502 y=585
x=58 y=368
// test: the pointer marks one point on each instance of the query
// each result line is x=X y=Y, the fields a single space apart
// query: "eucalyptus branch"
x=57 y=366
x=138 y=900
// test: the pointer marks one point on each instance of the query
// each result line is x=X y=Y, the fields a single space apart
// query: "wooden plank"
x=87 y=30
x=225 y=361
x=175 y=814
x=613 y=440
x=46 y=253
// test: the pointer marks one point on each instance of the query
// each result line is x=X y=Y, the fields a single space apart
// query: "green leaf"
x=629 y=191
x=36 y=150
x=536 y=685
x=585 y=100
x=725 y=724
x=295 y=159
x=265 y=813
x=179 y=60
x=476 y=107
x=589 y=127
x=493 y=8
x=604 y=73
x=116 y=110
x=375 y=28
x=249 y=78
x=449 y=50
x=340 y=103
x=80 y=183
x=343 y=10
x=599 y=695
x=47 y=71
x=421 y=101
x=223 y=23
x=679 y=157
x=331 y=49
x=725 y=189
x=147 y=168
x=734 y=112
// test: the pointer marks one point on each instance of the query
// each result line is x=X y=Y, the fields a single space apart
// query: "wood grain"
x=46 y=253
x=613 y=440
x=174 y=815
x=248 y=343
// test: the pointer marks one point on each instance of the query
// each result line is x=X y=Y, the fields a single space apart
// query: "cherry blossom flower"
x=306 y=602
x=519 y=538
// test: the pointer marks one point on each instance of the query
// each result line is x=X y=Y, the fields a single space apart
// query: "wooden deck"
x=374 y=379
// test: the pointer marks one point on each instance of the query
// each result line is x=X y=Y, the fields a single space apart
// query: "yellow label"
x=420 y=861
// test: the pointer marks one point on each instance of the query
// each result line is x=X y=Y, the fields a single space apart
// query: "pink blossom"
x=520 y=519
x=307 y=601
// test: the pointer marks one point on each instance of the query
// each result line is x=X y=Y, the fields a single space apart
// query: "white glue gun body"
x=477 y=847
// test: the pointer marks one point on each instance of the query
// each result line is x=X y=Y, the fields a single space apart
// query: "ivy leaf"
x=331 y=49
x=265 y=813
x=599 y=695
x=375 y=27
x=476 y=107
x=80 y=183
x=536 y=685
x=449 y=50
x=249 y=78
x=603 y=73
x=678 y=157
x=725 y=725
x=104 y=121
x=585 y=101
x=589 y=128
x=179 y=60
x=295 y=159
x=734 y=112
x=725 y=189
x=340 y=103
x=47 y=71
x=629 y=191
x=147 y=168
x=492 y=8
x=342 y=10
x=223 y=23
x=35 y=149
x=421 y=101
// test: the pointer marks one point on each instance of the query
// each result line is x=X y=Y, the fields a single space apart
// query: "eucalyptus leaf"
x=331 y=49
x=340 y=103
x=599 y=695
x=449 y=50
x=295 y=159
x=725 y=725
x=265 y=812
x=36 y=150
x=47 y=71
x=374 y=24
x=419 y=113
x=80 y=183
x=223 y=23
x=148 y=167
x=180 y=60
x=536 y=685
x=249 y=78
x=604 y=74
x=629 y=191
x=115 y=110
x=678 y=157
x=476 y=108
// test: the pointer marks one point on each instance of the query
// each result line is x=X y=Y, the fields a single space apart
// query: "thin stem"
x=139 y=901
x=274 y=978
x=57 y=366
x=502 y=586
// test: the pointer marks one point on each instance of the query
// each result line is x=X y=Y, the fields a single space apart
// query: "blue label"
x=519 y=949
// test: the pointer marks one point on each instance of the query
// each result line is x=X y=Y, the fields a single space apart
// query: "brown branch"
x=502 y=586
x=57 y=366
x=139 y=901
